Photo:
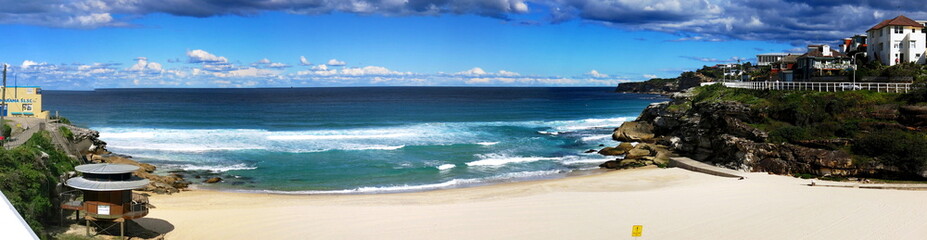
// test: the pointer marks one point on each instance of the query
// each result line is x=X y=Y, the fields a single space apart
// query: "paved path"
x=30 y=124
x=692 y=165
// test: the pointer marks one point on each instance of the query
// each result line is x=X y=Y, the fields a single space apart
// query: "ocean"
x=356 y=140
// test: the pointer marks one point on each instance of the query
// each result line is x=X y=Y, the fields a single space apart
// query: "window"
x=882 y=46
x=27 y=107
x=899 y=29
x=896 y=45
x=913 y=44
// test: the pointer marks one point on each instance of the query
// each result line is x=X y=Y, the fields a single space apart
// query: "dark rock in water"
x=601 y=145
x=197 y=177
x=213 y=180
x=590 y=151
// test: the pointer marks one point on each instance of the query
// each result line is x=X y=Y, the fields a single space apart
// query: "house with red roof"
x=897 y=40
x=821 y=63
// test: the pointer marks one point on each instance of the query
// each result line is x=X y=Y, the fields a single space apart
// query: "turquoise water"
x=356 y=140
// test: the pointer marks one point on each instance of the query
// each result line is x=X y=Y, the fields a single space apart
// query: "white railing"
x=824 y=86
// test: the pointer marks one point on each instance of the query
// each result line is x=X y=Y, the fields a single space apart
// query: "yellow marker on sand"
x=637 y=230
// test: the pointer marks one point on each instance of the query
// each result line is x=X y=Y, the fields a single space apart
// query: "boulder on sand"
x=634 y=132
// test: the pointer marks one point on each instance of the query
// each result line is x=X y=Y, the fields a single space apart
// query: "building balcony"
x=137 y=208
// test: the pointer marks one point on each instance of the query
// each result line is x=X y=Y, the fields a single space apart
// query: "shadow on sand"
x=145 y=228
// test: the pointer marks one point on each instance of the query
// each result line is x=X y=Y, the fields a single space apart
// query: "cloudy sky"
x=86 y=44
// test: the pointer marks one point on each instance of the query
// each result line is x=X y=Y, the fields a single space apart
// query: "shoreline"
x=599 y=206
x=551 y=177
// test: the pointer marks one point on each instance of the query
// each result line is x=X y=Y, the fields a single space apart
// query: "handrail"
x=886 y=87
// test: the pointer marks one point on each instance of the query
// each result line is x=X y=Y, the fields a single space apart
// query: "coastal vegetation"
x=29 y=175
x=66 y=132
x=884 y=131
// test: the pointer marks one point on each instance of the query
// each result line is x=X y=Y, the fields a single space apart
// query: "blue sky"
x=198 y=43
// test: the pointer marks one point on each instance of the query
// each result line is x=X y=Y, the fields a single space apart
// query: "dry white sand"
x=669 y=203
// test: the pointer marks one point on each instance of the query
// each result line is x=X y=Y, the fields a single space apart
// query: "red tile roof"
x=900 y=20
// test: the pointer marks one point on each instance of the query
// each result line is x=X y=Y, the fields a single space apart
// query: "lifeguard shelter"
x=106 y=191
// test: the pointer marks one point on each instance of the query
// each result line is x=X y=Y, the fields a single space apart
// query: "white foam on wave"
x=585 y=161
x=502 y=159
x=591 y=123
x=424 y=187
x=377 y=147
x=141 y=140
x=240 y=166
x=335 y=137
x=595 y=138
x=181 y=148
x=146 y=140
x=446 y=166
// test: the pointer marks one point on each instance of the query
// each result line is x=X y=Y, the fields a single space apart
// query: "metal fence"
x=825 y=86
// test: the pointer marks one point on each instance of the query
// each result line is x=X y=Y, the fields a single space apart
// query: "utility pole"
x=3 y=106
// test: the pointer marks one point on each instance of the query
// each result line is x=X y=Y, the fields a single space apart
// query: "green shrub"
x=788 y=134
x=29 y=182
x=898 y=148
x=803 y=175
x=66 y=132
x=7 y=130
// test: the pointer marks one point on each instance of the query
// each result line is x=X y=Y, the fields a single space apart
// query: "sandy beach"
x=670 y=204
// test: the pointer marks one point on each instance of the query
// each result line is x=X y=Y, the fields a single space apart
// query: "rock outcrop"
x=721 y=133
x=634 y=132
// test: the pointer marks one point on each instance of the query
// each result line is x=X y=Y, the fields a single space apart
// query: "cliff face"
x=728 y=133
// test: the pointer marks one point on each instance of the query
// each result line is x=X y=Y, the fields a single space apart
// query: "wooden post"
x=122 y=228
x=88 y=226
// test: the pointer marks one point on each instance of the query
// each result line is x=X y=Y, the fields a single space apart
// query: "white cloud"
x=142 y=65
x=200 y=56
x=264 y=61
x=596 y=74
x=320 y=67
x=369 y=70
x=507 y=73
x=90 y=20
x=303 y=61
x=29 y=64
x=335 y=62
x=650 y=76
x=278 y=65
x=472 y=72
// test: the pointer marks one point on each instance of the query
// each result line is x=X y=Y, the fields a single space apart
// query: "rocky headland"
x=845 y=134
x=665 y=86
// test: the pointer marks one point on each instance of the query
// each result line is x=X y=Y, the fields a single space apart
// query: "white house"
x=768 y=58
x=897 y=40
